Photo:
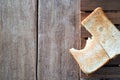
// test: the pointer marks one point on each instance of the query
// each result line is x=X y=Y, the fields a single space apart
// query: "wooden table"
x=36 y=35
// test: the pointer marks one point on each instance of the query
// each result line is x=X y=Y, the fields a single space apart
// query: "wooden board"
x=58 y=30
x=105 y=72
x=17 y=39
x=88 y=5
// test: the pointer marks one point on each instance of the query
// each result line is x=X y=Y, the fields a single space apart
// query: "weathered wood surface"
x=17 y=39
x=88 y=5
x=58 y=31
x=105 y=72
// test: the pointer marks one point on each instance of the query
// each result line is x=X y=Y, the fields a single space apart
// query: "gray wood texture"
x=58 y=31
x=104 y=72
x=17 y=39
x=88 y=5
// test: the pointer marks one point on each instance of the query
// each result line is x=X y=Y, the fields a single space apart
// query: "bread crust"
x=103 y=46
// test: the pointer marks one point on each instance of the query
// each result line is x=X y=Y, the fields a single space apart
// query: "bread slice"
x=91 y=57
x=104 y=31
x=103 y=46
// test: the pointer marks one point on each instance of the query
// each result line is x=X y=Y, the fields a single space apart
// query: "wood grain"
x=88 y=5
x=113 y=17
x=17 y=39
x=58 y=30
x=105 y=72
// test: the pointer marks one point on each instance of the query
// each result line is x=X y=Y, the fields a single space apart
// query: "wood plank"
x=58 y=32
x=114 y=17
x=114 y=61
x=17 y=39
x=87 y=5
x=83 y=42
x=84 y=32
x=105 y=72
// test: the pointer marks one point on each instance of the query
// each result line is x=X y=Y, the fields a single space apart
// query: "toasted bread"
x=92 y=57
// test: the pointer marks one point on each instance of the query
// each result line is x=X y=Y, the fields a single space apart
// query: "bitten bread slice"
x=104 y=31
x=91 y=57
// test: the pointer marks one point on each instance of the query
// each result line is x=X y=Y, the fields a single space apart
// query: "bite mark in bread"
x=92 y=57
